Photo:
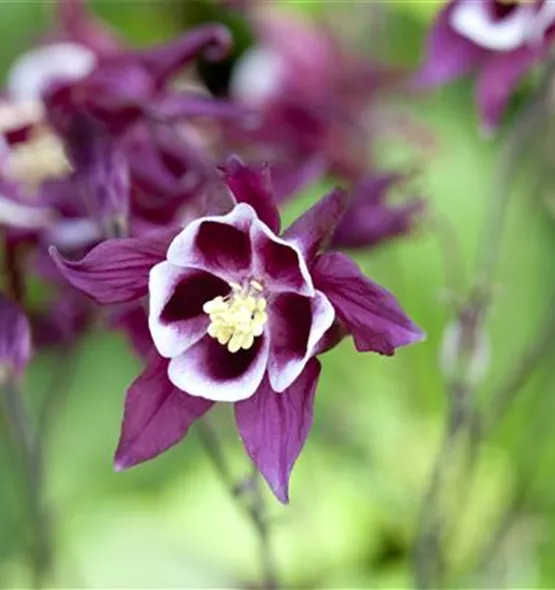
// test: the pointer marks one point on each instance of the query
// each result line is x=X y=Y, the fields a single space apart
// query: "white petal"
x=73 y=233
x=184 y=252
x=545 y=17
x=31 y=74
x=260 y=230
x=190 y=372
x=171 y=339
x=15 y=115
x=473 y=20
x=258 y=76
x=23 y=216
x=281 y=374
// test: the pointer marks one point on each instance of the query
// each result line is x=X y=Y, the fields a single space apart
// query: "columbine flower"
x=238 y=312
x=84 y=69
x=312 y=96
x=318 y=104
x=128 y=84
x=67 y=178
x=498 y=40
x=370 y=220
x=75 y=209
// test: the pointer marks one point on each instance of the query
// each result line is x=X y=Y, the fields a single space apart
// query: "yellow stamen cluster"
x=40 y=158
x=236 y=320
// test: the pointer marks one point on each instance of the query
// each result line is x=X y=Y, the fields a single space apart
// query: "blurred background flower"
x=418 y=170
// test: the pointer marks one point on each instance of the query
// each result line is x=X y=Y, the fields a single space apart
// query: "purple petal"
x=187 y=105
x=297 y=324
x=274 y=427
x=312 y=230
x=448 y=55
x=132 y=320
x=254 y=187
x=369 y=312
x=166 y=60
x=279 y=265
x=289 y=179
x=79 y=26
x=15 y=337
x=62 y=320
x=168 y=166
x=219 y=245
x=209 y=370
x=156 y=417
x=115 y=271
x=497 y=80
x=370 y=220
x=101 y=174
x=176 y=318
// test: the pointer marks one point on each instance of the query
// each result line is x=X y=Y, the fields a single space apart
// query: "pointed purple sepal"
x=274 y=427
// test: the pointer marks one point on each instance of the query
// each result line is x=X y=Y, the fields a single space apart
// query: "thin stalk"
x=469 y=324
x=57 y=390
x=25 y=440
x=248 y=495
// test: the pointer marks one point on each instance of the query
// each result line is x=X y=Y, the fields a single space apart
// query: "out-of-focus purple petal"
x=209 y=370
x=63 y=320
x=169 y=172
x=498 y=77
x=15 y=337
x=164 y=61
x=79 y=26
x=101 y=174
x=448 y=54
x=254 y=187
x=116 y=271
x=187 y=106
x=370 y=220
x=132 y=320
x=289 y=178
x=156 y=417
x=312 y=230
x=274 y=427
x=369 y=312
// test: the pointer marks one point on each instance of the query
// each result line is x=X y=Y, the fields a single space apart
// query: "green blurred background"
x=358 y=486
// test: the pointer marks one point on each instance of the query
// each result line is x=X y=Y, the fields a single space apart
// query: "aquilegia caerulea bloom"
x=238 y=312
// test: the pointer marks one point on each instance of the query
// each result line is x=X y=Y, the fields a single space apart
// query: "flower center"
x=39 y=158
x=236 y=320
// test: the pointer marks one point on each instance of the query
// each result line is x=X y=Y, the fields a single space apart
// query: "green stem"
x=249 y=497
x=469 y=324
x=25 y=440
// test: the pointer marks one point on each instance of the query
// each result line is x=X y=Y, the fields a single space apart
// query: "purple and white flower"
x=239 y=312
x=499 y=41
